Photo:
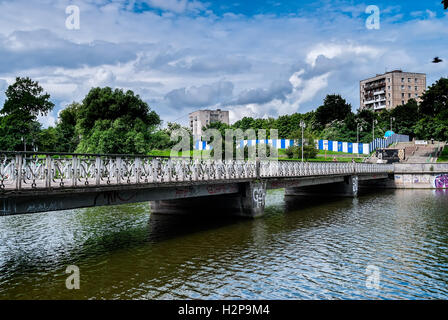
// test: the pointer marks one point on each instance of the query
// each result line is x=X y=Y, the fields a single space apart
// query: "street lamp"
x=373 y=130
x=391 y=119
x=24 y=143
x=358 y=128
x=302 y=125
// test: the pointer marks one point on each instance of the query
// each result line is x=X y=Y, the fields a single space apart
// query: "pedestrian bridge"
x=33 y=182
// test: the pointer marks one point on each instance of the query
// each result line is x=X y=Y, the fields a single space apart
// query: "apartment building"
x=388 y=90
x=202 y=118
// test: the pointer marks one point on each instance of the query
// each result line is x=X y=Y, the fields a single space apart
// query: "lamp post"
x=24 y=143
x=358 y=129
x=391 y=119
x=373 y=130
x=302 y=125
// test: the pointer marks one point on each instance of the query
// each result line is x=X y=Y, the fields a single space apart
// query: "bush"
x=309 y=152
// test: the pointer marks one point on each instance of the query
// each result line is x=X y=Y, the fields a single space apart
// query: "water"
x=312 y=249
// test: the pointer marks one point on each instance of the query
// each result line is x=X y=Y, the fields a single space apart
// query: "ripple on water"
x=311 y=249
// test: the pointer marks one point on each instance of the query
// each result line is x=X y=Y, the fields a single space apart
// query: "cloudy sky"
x=255 y=58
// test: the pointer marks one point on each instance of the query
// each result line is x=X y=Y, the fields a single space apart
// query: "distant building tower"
x=388 y=90
x=202 y=118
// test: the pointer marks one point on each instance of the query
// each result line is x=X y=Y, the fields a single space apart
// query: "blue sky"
x=255 y=58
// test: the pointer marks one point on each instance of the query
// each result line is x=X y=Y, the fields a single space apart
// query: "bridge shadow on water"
x=295 y=210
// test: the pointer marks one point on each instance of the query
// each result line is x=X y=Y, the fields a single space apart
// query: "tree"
x=26 y=96
x=445 y=4
x=435 y=99
x=113 y=121
x=25 y=101
x=406 y=116
x=48 y=140
x=334 y=108
x=67 y=137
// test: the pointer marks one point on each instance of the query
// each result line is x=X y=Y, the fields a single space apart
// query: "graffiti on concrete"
x=355 y=185
x=441 y=181
x=259 y=196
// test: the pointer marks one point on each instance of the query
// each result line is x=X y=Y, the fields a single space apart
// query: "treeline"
x=334 y=120
x=106 y=121
x=115 y=121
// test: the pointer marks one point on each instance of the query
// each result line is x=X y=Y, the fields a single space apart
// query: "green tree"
x=435 y=99
x=25 y=101
x=334 y=108
x=67 y=137
x=406 y=116
x=48 y=140
x=113 y=121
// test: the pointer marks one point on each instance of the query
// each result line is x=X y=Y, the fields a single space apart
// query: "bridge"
x=32 y=182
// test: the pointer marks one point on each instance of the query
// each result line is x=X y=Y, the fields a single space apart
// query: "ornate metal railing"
x=24 y=171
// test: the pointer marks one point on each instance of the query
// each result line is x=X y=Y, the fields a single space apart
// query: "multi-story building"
x=388 y=90
x=202 y=118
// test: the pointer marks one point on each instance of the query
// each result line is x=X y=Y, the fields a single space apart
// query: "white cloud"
x=179 y=61
x=331 y=50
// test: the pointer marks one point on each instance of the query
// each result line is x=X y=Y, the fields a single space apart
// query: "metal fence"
x=25 y=171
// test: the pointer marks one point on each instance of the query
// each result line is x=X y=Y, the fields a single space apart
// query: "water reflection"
x=306 y=248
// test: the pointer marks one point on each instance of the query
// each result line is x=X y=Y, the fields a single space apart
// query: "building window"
x=402 y=79
x=416 y=80
x=409 y=79
x=409 y=95
x=402 y=102
x=388 y=88
x=416 y=88
x=389 y=94
x=402 y=87
x=416 y=95
x=402 y=95
x=409 y=87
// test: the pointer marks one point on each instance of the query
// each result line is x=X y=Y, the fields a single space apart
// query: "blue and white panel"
x=325 y=142
x=355 y=148
x=335 y=145
x=365 y=148
x=345 y=147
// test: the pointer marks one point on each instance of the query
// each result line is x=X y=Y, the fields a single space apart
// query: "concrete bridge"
x=37 y=182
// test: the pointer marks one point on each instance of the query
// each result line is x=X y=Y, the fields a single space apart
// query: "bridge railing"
x=24 y=171
x=297 y=169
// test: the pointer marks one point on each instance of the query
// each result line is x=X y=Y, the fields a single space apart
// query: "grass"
x=322 y=159
x=444 y=156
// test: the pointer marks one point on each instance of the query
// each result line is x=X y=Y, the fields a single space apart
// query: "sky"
x=261 y=58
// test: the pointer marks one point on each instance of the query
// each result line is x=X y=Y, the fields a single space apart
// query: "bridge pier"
x=346 y=188
x=248 y=202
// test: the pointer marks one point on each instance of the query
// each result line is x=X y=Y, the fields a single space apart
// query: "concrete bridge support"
x=248 y=202
x=346 y=188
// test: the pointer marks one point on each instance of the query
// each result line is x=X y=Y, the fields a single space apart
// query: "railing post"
x=118 y=169
x=98 y=171
x=47 y=171
x=74 y=171
x=19 y=163
x=170 y=169
x=138 y=169
x=257 y=168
